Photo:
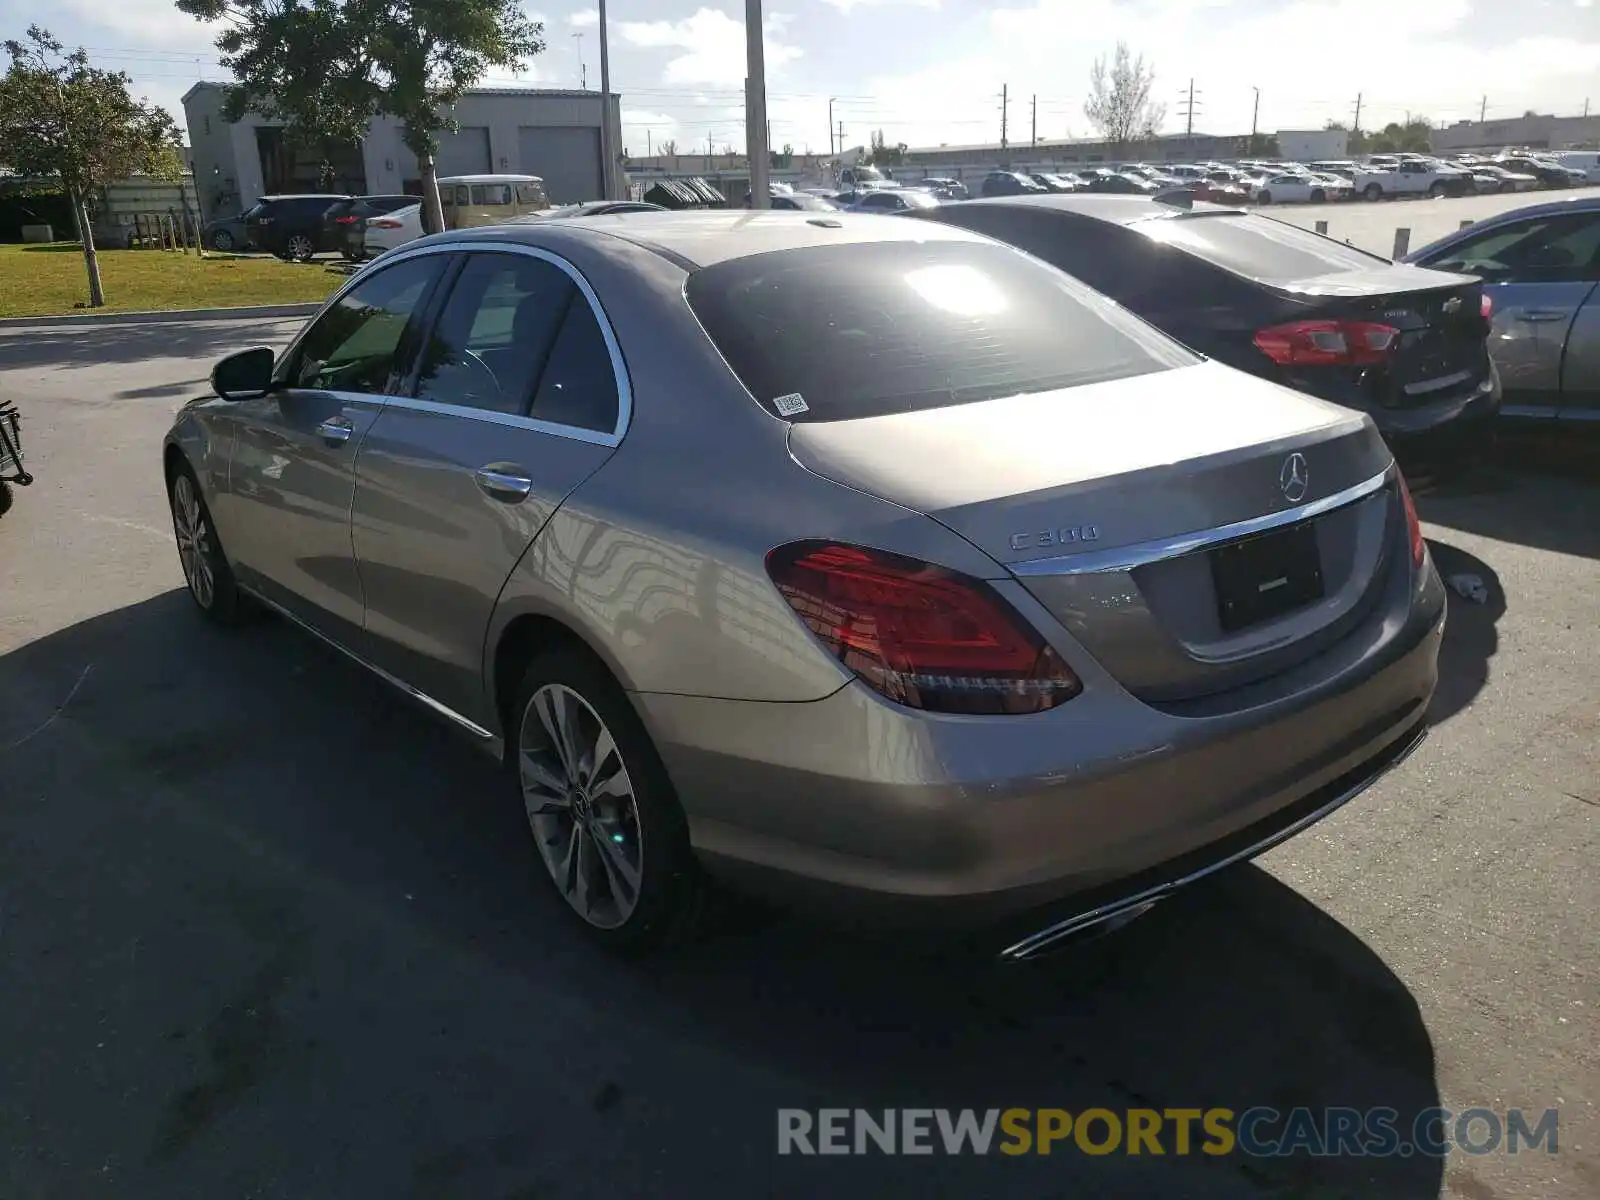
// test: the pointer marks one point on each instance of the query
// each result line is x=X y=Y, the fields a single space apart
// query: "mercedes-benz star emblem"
x=1295 y=478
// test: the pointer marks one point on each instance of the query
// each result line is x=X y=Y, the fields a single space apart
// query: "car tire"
x=1508 y=185
x=5 y=498
x=1436 y=191
x=222 y=240
x=1318 y=196
x=299 y=247
x=625 y=836
x=1263 y=197
x=206 y=571
x=1373 y=192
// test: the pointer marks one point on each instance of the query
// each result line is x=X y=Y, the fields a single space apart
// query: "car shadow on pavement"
x=82 y=345
x=279 y=893
x=1471 y=636
x=1542 y=493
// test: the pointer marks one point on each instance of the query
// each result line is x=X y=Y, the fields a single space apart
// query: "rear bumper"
x=860 y=810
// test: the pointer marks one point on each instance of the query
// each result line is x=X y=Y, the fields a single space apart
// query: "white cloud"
x=845 y=6
x=584 y=18
x=713 y=47
x=1310 y=58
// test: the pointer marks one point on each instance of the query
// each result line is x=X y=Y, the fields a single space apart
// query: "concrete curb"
x=154 y=318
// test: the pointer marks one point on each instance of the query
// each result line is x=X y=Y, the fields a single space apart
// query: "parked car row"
x=868 y=564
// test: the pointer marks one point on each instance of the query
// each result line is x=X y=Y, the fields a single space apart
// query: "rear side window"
x=885 y=327
x=1257 y=247
x=579 y=385
x=491 y=193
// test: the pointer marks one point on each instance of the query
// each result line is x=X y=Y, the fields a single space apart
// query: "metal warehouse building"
x=525 y=131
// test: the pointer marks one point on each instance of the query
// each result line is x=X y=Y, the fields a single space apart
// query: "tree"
x=62 y=118
x=782 y=159
x=670 y=147
x=326 y=68
x=1119 y=103
x=881 y=154
x=1395 y=138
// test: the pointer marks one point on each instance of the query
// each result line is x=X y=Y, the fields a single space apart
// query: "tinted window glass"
x=494 y=333
x=353 y=345
x=1540 y=250
x=887 y=327
x=1257 y=247
x=579 y=385
x=491 y=193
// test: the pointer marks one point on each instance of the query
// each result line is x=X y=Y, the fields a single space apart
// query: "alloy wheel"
x=222 y=240
x=300 y=247
x=581 y=805
x=194 y=541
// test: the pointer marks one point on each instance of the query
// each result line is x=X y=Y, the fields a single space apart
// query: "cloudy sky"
x=928 y=72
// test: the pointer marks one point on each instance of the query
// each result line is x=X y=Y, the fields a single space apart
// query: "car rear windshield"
x=840 y=332
x=1257 y=247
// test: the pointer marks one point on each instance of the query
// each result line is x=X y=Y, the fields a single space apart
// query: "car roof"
x=490 y=179
x=1555 y=208
x=703 y=238
x=1117 y=210
x=309 y=196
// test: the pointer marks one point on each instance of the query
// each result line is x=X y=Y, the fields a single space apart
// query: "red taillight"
x=382 y=223
x=1486 y=306
x=922 y=635
x=1324 y=343
x=1419 y=547
x=345 y=220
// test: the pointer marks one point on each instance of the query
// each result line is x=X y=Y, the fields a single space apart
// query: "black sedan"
x=1406 y=345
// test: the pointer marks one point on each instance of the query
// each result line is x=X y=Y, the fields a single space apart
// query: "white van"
x=1587 y=161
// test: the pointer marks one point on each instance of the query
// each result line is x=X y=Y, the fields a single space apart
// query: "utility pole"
x=1254 y=113
x=1035 y=135
x=756 y=129
x=1356 y=127
x=1004 y=113
x=1189 y=103
x=1483 y=110
x=1586 y=106
x=830 y=126
x=608 y=152
x=841 y=139
x=583 y=71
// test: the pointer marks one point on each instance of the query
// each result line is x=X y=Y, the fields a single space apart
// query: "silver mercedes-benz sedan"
x=868 y=564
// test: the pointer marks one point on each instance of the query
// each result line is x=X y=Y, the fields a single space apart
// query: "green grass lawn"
x=42 y=281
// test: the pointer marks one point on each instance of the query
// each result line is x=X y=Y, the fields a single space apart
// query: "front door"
x=1537 y=272
x=516 y=400
x=292 y=478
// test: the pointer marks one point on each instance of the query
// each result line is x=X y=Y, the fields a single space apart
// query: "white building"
x=1312 y=145
x=527 y=131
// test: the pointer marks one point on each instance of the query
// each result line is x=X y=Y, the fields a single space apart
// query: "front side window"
x=835 y=333
x=354 y=345
x=532 y=194
x=494 y=333
x=1561 y=249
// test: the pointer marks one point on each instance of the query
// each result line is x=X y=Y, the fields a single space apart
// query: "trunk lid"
x=1442 y=347
x=1086 y=496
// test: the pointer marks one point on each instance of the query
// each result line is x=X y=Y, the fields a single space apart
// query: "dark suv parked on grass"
x=291 y=226
x=344 y=222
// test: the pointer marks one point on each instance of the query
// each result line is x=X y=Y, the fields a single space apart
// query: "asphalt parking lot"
x=1372 y=226
x=266 y=931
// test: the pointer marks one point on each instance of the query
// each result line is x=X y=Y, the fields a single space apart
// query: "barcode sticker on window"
x=791 y=405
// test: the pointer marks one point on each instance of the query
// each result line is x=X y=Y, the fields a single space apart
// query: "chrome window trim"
x=1128 y=558
x=577 y=433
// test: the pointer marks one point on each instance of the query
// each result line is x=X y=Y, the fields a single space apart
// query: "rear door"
x=1539 y=273
x=519 y=394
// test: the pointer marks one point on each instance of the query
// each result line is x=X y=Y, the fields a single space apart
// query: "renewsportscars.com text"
x=1259 y=1132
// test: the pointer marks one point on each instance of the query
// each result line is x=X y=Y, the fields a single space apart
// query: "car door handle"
x=335 y=429
x=504 y=481
x=1542 y=314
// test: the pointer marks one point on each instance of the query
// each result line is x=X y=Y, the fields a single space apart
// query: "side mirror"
x=246 y=375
